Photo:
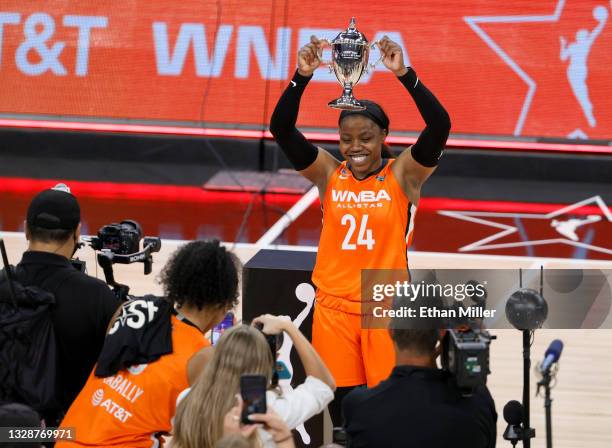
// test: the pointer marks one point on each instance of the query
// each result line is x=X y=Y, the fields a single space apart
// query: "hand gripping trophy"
x=350 y=55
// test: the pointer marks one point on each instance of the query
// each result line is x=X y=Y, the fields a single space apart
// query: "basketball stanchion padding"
x=279 y=282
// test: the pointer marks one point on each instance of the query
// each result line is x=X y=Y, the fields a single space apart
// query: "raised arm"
x=600 y=26
x=312 y=362
x=314 y=163
x=414 y=167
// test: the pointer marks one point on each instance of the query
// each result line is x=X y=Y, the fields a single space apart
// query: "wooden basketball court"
x=582 y=406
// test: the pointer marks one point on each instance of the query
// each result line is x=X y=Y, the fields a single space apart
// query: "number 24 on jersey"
x=364 y=237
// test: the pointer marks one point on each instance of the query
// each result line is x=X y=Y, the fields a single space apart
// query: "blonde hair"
x=235 y=441
x=200 y=416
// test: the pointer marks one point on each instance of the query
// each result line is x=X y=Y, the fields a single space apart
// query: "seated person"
x=148 y=356
x=418 y=406
x=199 y=421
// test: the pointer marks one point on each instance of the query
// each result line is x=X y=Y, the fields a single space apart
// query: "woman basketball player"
x=369 y=203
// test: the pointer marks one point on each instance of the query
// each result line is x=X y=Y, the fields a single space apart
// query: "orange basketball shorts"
x=354 y=355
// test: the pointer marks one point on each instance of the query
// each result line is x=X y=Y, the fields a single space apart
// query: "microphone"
x=551 y=356
x=526 y=309
x=513 y=414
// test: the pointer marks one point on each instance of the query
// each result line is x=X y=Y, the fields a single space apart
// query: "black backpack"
x=28 y=351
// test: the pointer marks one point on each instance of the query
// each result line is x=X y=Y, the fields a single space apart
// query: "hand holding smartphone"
x=253 y=392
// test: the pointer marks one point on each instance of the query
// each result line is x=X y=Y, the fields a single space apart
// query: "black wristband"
x=409 y=79
x=301 y=80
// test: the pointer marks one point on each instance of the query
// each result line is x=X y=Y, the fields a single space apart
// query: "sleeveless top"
x=367 y=224
x=129 y=409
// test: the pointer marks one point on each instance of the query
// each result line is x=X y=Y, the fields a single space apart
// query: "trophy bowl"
x=350 y=51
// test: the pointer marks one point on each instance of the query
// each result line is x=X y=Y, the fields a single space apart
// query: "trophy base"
x=346 y=103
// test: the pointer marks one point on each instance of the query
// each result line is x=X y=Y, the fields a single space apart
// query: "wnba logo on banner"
x=210 y=57
x=38 y=43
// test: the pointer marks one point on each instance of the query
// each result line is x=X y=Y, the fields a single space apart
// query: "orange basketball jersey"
x=127 y=409
x=367 y=224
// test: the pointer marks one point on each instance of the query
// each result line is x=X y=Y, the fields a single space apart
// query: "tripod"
x=526 y=310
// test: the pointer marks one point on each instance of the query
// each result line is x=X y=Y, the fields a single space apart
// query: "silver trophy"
x=350 y=56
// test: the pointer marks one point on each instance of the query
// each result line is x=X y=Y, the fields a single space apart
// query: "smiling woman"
x=369 y=203
x=370 y=127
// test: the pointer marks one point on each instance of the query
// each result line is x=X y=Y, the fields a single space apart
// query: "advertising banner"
x=519 y=68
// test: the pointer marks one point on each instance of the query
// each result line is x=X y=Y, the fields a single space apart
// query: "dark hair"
x=422 y=342
x=419 y=335
x=372 y=111
x=202 y=273
x=43 y=235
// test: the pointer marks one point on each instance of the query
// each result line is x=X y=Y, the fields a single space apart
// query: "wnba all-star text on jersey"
x=360 y=199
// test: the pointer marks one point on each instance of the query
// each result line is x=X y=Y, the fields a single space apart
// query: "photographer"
x=149 y=354
x=199 y=421
x=83 y=305
x=418 y=405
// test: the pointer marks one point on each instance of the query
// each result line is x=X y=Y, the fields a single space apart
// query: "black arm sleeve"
x=300 y=152
x=430 y=144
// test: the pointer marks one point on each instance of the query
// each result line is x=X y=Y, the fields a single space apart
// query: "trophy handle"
x=326 y=43
x=373 y=45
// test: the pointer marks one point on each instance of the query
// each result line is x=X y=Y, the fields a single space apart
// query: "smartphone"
x=253 y=391
x=217 y=330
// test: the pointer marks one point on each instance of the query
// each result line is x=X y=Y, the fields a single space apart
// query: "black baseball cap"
x=55 y=209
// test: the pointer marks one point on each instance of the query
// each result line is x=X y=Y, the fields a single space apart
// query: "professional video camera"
x=120 y=243
x=465 y=354
x=465 y=347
